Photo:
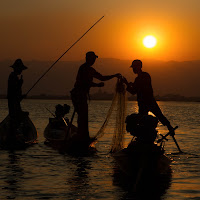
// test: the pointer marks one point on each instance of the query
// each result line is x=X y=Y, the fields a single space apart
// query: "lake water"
x=40 y=172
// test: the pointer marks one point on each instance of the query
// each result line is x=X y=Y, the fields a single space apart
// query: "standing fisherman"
x=14 y=92
x=14 y=96
x=143 y=88
x=80 y=93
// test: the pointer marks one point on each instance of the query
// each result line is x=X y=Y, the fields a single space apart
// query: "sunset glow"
x=46 y=33
x=149 y=41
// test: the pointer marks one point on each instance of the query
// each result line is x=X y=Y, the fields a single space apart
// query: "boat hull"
x=64 y=141
x=142 y=172
x=17 y=135
x=141 y=156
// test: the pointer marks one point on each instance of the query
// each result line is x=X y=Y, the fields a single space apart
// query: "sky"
x=45 y=29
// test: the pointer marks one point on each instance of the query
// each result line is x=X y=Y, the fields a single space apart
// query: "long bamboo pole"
x=63 y=55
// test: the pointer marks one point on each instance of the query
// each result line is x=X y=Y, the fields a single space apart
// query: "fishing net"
x=118 y=103
x=119 y=132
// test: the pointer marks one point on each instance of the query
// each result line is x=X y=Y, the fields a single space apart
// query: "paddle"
x=164 y=137
x=176 y=144
x=69 y=126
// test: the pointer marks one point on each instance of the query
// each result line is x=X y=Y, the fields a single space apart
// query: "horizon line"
x=145 y=59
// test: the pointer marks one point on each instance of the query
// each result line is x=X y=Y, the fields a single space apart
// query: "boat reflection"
x=79 y=181
x=151 y=186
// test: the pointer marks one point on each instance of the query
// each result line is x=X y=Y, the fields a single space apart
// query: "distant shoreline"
x=108 y=97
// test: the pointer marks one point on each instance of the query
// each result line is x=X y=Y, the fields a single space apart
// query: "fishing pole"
x=50 y=112
x=63 y=55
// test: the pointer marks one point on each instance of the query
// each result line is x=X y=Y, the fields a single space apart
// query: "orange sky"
x=44 y=29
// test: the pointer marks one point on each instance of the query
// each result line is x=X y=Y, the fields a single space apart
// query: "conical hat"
x=18 y=64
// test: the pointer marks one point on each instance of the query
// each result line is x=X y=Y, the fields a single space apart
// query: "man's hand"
x=124 y=80
x=101 y=84
x=118 y=75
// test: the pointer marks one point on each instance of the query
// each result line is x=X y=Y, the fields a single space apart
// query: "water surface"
x=40 y=172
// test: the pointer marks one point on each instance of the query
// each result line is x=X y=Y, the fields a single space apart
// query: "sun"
x=149 y=41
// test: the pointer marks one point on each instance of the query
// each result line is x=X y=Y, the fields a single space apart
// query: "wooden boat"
x=143 y=168
x=143 y=164
x=56 y=132
x=138 y=156
x=17 y=135
x=58 y=137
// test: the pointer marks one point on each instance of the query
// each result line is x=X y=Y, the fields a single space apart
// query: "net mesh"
x=118 y=102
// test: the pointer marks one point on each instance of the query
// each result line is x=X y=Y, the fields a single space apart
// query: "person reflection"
x=14 y=176
x=79 y=181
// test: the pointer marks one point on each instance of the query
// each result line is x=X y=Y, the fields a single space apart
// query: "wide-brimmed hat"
x=18 y=64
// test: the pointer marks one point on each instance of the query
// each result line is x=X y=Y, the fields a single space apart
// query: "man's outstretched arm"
x=100 y=77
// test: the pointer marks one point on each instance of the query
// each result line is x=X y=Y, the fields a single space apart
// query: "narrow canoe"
x=57 y=136
x=17 y=135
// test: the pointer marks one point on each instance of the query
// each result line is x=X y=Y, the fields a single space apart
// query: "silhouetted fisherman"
x=80 y=92
x=143 y=88
x=14 y=92
x=60 y=113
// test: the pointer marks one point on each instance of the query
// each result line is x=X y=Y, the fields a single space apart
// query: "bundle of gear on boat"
x=143 y=127
x=143 y=130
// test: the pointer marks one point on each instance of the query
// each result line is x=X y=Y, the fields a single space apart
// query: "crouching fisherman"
x=57 y=132
x=143 y=130
x=142 y=127
x=61 y=111
x=14 y=96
